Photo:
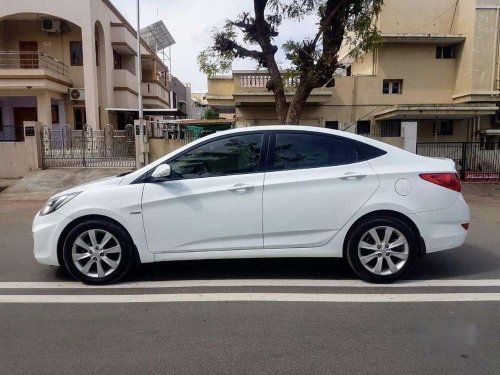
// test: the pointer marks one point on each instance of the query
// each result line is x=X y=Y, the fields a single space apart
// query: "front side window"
x=76 y=53
x=301 y=151
x=231 y=155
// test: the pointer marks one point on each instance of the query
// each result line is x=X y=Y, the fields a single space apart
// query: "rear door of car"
x=314 y=183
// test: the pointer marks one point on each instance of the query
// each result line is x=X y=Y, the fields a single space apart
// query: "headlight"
x=53 y=204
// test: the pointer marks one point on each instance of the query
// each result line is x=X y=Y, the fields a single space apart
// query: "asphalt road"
x=254 y=316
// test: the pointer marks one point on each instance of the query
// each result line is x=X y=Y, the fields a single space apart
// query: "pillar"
x=43 y=108
x=410 y=135
x=90 y=75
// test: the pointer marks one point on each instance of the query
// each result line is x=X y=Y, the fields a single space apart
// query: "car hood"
x=93 y=185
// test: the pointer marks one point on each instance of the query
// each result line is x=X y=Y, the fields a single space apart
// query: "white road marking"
x=251 y=297
x=254 y=283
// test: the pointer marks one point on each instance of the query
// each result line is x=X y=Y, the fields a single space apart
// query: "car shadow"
x=466 y=262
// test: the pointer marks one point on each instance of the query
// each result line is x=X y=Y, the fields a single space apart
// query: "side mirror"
x=162 y=171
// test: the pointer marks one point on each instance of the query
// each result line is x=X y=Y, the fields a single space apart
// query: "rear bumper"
x=442 y=229
x=46 y=232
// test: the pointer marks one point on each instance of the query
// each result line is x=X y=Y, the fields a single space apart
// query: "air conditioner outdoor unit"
x=51 y=26
x=77 y=94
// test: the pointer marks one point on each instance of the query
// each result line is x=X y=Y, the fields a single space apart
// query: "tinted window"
x=299 y=151
x=369 y=152
x=231 y=155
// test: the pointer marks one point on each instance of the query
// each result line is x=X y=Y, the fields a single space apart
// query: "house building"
x=75 y=63
x=438 y=66
x=199 y=105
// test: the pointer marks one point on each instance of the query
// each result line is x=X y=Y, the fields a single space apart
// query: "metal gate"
x=88 y=147
x=475 y=161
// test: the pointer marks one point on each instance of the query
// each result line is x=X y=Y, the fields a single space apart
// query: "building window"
x=390 y=128
x=394 y=87
x=332 y=125
x=117 y=60
x=348 y=71
x=1 y=119
x=76 y=53
x=443 y=128
x=363 y=127
x=445 y=52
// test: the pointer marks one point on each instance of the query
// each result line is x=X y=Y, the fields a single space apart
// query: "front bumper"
x=442 y=229
x=46 y=232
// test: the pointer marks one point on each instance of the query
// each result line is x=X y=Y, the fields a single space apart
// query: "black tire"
x=125 y=260
x=353 y=252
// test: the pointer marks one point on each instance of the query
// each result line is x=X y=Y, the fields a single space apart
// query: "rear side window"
x=368 y=152
x=302 y=151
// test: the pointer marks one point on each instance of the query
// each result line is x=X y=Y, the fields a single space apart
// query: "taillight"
x=465 y=226
x=447 y=180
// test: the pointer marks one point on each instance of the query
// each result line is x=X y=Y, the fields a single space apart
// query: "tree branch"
x=328 y=20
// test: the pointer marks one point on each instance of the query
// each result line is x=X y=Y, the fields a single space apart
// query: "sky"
x=191 y=21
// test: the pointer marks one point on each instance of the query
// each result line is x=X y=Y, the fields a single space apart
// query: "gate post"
x=33 y=142
x=410 y=136
x=141 y=149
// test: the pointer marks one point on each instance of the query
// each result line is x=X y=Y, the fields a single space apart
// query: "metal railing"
x=11 y=133
x=475 y=161
x=172 y=131
x=32 y=60
x=68 y=147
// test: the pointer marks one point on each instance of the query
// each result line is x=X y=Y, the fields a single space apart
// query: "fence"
x=88 y=147
x=475 y=161
x=11 y=133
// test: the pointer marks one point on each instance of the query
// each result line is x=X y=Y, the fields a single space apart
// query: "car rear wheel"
x=98 y=252
x=381 y=250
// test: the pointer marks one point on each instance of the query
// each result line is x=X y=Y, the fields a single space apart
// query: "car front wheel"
x=98 y=252
x=381 y=250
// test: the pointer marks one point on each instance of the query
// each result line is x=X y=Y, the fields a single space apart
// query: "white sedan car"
x=276 y=191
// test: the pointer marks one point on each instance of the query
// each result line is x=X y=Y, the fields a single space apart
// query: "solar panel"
x=157 y=36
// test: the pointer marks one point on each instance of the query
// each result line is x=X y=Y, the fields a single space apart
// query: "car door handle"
x=241 y=188
x=350 y=176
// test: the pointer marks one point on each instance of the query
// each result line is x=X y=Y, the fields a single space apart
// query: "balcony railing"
x=31 y=60
x=260 y=81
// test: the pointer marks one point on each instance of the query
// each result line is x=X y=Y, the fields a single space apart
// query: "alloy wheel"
x=96 y=253
x=383 y=250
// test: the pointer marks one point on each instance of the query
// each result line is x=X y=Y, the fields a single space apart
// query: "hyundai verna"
x=276 y=191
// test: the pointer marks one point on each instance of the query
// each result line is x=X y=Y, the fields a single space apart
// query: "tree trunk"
x=298 y=102
x=278 y=89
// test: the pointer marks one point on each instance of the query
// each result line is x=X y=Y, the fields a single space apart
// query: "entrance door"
x=79 y=117
x=21 y=115
x=29 y=55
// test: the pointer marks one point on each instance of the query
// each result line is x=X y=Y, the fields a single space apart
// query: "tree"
x=210 y=114
x=312 y=61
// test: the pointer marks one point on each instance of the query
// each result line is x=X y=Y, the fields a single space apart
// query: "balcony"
x=155 y=95
x=250 y=87
x=33 y=69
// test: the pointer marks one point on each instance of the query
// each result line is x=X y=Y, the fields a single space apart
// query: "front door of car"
x=213 y=199
x=315 y=183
